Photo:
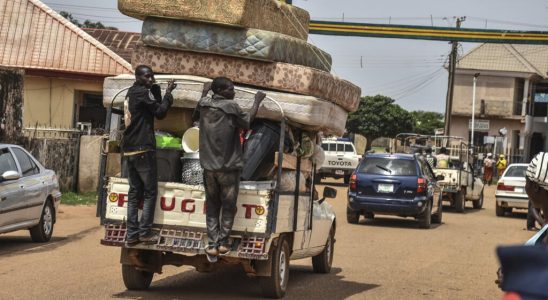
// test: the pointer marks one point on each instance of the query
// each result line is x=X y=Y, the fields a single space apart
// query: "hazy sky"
x=410 y=71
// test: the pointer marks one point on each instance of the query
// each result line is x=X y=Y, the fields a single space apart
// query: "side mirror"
x=329 y=192
x=10 y=175
x=440 y=177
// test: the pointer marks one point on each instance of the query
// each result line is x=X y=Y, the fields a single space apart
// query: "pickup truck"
x=271 y=227
x=340 y=161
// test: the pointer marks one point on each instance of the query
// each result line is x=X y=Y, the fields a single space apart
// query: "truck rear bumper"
x=189 y=242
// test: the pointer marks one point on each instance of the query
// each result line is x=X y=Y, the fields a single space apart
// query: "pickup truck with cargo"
x=340 y=161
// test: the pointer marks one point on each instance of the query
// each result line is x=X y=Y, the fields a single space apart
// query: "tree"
x=426 y=122
x=86 y=24
x=378 y=116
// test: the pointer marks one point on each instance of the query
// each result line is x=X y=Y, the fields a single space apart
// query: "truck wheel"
x=275 y=285
x=459 y=202
x=42 y=232
x=425 y=220
x=346 y=179
x=478 y=204
x=135 y=279
x=499 y=210
x=352 y=217
x=322 y=262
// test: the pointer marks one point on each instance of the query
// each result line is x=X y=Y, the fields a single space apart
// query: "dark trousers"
x=530 y=216
x=143 y=185
x=221 y=189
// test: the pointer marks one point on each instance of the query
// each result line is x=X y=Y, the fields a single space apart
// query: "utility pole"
x=473 y=111
x=451 y=80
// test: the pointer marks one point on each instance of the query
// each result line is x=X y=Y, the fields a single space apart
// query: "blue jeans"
x=143 y=186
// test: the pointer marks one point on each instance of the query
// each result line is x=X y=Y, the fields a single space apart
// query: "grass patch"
x=70 y=198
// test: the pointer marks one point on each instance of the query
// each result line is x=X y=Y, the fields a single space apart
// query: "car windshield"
x=388 y=166
x=516 y=171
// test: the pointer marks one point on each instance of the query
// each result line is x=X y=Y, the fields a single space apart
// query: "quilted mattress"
x=307 y=112
x=232 y=41
x=276 y=76
x=270 y=15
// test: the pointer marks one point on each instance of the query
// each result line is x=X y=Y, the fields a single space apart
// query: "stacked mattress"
x=260 y=44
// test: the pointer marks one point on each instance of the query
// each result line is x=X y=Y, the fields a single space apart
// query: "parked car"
x=29 y=194
x=340 y=161
x=510 y=192
x=395 y=184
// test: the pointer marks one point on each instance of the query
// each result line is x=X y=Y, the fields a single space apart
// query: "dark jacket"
x=144 y=105
x=220 y=121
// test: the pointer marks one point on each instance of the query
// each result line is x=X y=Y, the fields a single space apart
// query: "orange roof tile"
x=33 y=36
x=121 y=42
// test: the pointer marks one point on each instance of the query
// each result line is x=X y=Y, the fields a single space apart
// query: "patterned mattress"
x=270 y=15
x=247 y=43
x=306 y=112
x=275 y=76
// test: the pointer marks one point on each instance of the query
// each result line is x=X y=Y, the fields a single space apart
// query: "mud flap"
x=144 y=260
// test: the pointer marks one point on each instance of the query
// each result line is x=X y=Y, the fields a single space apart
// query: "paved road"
x=387 y=258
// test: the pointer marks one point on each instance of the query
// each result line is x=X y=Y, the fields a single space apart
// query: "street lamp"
x=474 y=110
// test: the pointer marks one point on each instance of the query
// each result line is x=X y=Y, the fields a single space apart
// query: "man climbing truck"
x=273 y=224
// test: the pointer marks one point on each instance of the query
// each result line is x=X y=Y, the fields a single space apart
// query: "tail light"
x=506 y=188
x=353 y=182
x=421 y=185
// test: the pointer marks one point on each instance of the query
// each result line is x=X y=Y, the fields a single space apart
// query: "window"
x=389 y=166
x=325 y=147
x=340 y=147
x=28 y=167
x=516 y=171
x=7 y=163
x=91 y=110
x=348 y=148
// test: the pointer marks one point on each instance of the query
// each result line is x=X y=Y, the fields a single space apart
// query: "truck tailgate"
x=184 y=205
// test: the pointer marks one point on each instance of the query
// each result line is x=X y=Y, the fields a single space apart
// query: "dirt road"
x=387 y=258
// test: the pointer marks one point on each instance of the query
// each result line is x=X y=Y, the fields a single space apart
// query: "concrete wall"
x=459 y=127
x=498 y=93
x=88 y=169
x=50 y=101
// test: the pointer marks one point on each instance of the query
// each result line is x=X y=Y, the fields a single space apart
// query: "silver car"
x=29 y=194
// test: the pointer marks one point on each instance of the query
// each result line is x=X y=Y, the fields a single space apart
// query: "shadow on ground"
x=232 y=283
x=393 y=222
x=17 y=245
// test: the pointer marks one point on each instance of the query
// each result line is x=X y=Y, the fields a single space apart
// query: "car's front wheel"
x=42 y=232
x=322 y=262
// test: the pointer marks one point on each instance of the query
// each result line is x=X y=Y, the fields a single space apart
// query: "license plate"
x=518 y=190
x=386 y=188
x=339 y=172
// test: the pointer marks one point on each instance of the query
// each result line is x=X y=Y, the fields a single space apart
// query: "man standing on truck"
x=144 y=102
x=221 y=157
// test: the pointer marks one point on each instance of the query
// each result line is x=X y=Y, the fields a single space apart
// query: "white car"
x=340 y=161
x=29 y=194
x=511 y=190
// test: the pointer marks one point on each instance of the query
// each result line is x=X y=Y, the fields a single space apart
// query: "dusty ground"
x=387 y=258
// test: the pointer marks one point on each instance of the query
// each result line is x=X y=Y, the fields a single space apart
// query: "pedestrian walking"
x=488 y=169
x=501 y=165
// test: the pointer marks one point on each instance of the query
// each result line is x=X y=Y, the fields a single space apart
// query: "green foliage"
x=79 y=199
x=426 y=122
x=378 y=116
x=86 y=24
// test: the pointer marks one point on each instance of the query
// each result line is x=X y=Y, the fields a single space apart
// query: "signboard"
x=481 y=125
x=541 y=97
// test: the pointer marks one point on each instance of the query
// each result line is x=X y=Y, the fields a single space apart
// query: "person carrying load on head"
x=144 y=102
x=488 y=169
x=220 y=120
x=442 y=159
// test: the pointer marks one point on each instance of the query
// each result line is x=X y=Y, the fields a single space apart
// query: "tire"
x=135 y=279
x=322 y=262
x=478 y=204
x=425 y=219
x=352 y=217
x=437 y=218
x=369 y=215
x=459 y=202
x=275 y=285
x=499 y=210
x=346 y=179
x=42 y=232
